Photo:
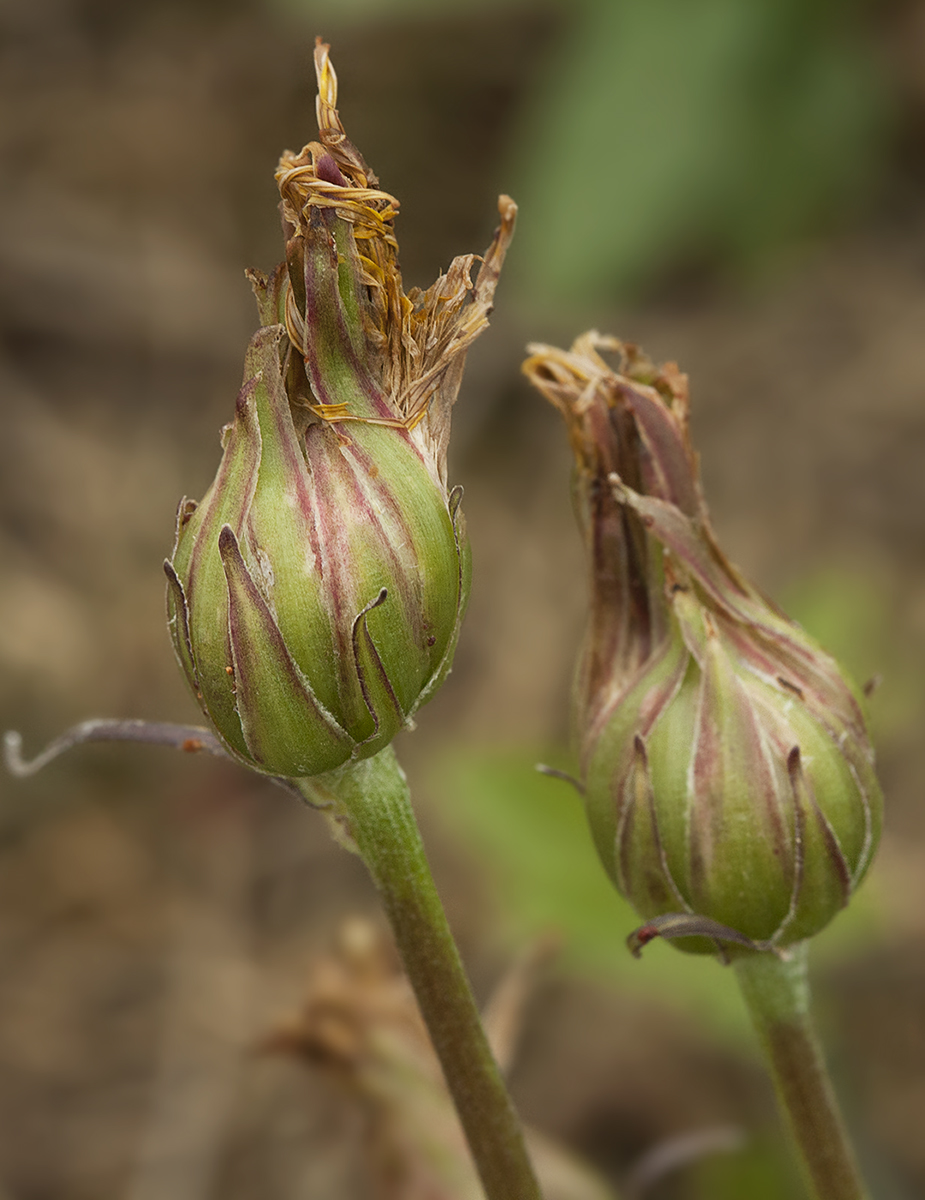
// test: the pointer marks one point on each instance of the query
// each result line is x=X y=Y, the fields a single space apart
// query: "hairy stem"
x=777 y=995
x=371 y=801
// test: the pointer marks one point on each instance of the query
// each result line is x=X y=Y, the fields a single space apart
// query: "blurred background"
x=735 y=184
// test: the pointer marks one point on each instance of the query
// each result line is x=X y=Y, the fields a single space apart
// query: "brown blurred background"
x=737 y=186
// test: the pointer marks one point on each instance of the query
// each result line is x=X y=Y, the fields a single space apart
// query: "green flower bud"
x=726 y=766
x=316 y=593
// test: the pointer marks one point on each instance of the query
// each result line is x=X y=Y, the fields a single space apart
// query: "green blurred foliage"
x=854 y=615
x=691 y=131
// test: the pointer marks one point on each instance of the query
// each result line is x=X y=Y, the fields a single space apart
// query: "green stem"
x=777 y=995
x=372 y=802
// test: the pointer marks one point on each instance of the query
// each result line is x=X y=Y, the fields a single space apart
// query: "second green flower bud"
x=726 y=765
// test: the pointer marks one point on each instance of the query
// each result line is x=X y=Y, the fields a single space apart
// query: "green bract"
x=725 y=761
x=316 y=593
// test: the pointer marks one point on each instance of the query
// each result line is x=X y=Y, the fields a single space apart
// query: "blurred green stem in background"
x=370 y=808
x=776 y=992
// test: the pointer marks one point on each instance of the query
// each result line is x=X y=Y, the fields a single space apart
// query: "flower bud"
x=726 y=766
x=316 y=593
